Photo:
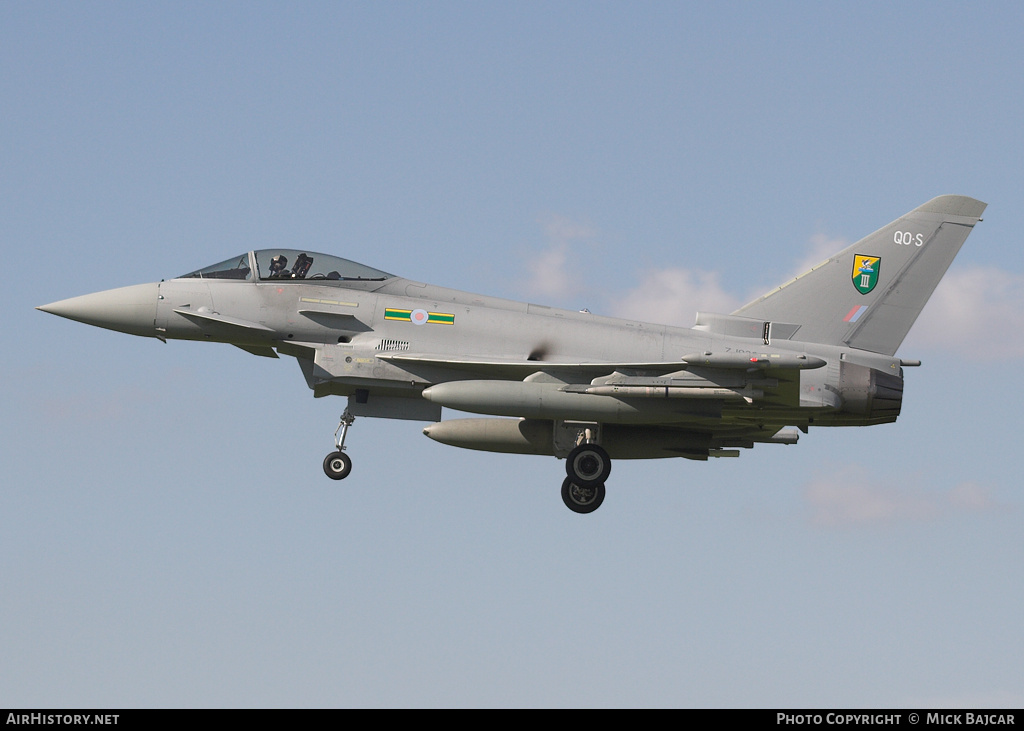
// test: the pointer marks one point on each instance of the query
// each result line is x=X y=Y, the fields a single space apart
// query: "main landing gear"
x=337 y=464
x=587 y=468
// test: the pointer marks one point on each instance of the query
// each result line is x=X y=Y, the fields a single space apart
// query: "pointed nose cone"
x=128 y=309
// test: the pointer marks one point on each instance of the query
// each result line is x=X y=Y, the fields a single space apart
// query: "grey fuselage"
x=360 y=337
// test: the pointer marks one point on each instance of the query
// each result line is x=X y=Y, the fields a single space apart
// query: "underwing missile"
x=787 y=361
x=690 y=392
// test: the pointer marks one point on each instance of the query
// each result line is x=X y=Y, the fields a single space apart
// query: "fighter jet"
x=817 y=351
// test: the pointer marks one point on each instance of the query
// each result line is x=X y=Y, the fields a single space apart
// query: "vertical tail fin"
x=869 y=295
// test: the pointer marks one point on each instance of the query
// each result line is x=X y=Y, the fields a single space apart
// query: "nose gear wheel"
x=337 y=464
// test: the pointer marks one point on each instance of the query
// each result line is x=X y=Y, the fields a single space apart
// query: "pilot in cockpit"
x=279 y=267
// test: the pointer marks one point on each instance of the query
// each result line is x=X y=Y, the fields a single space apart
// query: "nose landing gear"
x=337 y=464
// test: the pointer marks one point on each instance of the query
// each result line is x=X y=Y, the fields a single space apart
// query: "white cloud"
x=822 y=247
x=550 y=275
x=974 y=308
x=851 y=497
x=674 y=296
x=562 y=229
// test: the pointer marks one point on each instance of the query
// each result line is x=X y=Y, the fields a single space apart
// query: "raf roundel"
x=419 y=317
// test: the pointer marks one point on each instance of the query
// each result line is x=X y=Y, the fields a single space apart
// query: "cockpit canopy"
x=289 y=264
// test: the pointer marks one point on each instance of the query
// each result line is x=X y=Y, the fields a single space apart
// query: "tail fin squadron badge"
x=865 y=272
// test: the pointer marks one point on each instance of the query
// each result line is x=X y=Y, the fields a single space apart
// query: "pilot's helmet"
x=278 y=263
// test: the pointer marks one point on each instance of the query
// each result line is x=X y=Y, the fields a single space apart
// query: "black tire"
x=588 y=465
x=337 y=465
x=581 y=499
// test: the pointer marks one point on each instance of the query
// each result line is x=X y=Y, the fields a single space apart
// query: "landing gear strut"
x=337 y=464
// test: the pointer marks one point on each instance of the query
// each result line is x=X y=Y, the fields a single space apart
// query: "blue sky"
x=169 y=538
